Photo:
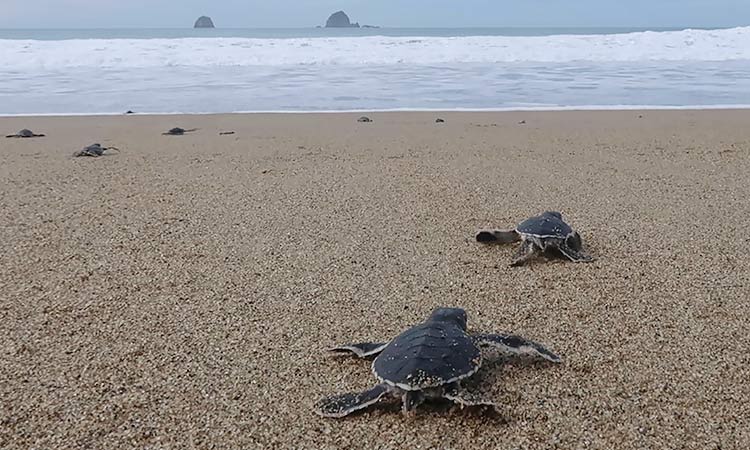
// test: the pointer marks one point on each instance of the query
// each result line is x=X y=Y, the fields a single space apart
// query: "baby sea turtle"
x=25 y=133
x=427 y=361
x=545 y=232
x=439 y=120
x=364 y=119
x=93 y=150
x=177 y=131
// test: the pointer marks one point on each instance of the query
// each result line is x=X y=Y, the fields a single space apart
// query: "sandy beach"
x=181 y=293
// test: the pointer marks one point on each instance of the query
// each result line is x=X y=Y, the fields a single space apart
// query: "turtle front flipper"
x=342 y=405
x=497 y=236
x=411 y=400
x=572 y=248
x=362 y=349
x=510 y=344
x=460 y=396
x=527 y=251
x=575 y=256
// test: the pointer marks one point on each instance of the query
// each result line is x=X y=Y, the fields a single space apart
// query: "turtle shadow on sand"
x=548 y=256
x=435 y=407
x=94 y=150
x=429 y=361
x=24 y=134
x=546 y=234
x=177 y=131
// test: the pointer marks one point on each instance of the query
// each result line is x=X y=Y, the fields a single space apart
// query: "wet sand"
x=180 y=294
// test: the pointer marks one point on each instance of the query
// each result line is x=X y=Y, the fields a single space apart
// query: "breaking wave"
x=686 y=45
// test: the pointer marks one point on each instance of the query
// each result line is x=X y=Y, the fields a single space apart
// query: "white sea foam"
x=687 y=45
x=702 y=68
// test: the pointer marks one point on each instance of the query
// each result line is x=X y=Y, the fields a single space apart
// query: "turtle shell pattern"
x=547 y=224
x=428 y=355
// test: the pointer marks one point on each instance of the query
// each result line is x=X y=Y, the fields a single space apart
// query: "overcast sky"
x=393 y=13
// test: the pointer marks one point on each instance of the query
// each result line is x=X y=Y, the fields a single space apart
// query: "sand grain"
x=178 y=294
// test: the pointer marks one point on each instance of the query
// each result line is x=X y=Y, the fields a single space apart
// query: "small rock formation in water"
x=370 y=26
x=204 y=22
x=339 y=19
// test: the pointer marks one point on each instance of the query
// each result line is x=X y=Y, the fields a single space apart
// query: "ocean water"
x=206 y=71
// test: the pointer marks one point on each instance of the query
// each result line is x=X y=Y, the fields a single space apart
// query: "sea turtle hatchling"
x=93 y=150
x=25 y=133
x=364 y=119
x=539 y=234
x=177 y=131
x=427 y=361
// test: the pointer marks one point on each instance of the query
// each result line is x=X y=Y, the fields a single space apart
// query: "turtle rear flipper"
x=497 y=236
x=514 y=345
x=342 y=405
x=362 y=349
x=527 y=251
x=460 y=396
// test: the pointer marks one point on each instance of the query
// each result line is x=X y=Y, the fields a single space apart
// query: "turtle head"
x=452 y=315
x=555 y=214
x=574 y=241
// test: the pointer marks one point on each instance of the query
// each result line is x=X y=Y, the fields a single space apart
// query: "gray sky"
x=394 y=13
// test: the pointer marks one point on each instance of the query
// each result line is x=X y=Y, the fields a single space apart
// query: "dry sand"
x=179 y=294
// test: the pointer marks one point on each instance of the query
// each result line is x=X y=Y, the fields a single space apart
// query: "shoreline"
x=551 y=109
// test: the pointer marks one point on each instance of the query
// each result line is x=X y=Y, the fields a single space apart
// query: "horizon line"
x=317 y=27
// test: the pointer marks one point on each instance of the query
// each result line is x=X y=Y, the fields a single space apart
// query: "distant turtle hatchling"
x=364 y=119
x=177 y=131
x=425 y=362
x=94 y=150
x=439 y=120
x=539 y=234
x=25 y=133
